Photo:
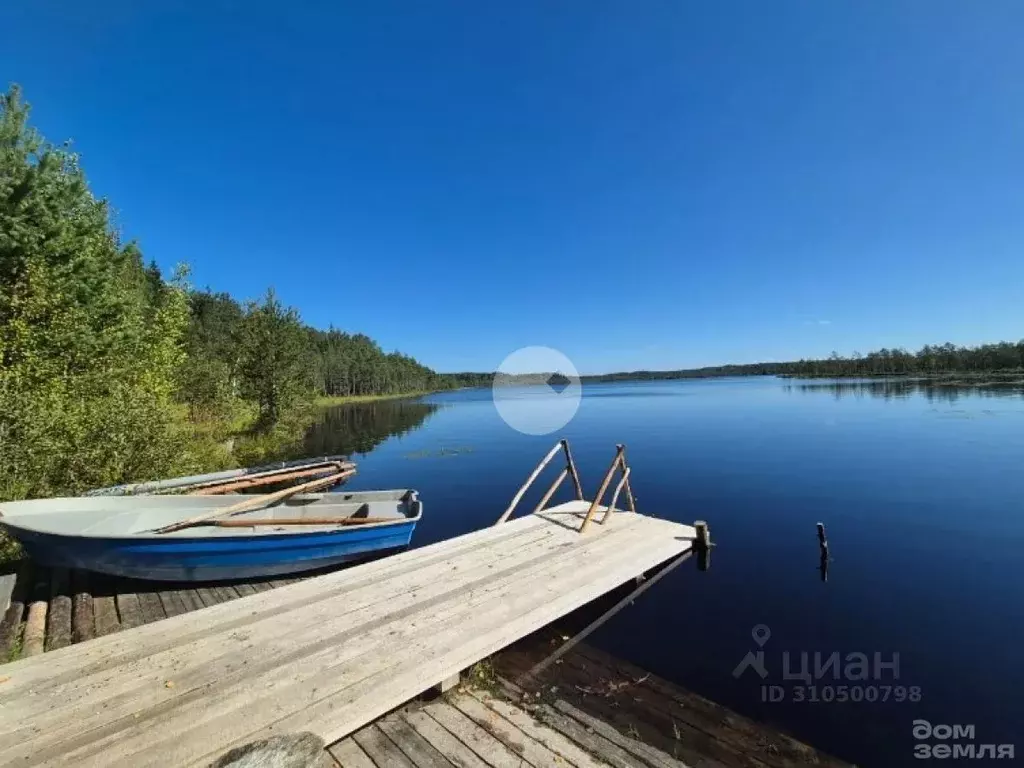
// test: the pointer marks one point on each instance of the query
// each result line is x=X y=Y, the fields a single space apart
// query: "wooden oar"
x=266 y=478
x=246 y=522
x=259 y=502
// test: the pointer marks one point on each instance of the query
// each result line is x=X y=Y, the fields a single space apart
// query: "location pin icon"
x=761 y=633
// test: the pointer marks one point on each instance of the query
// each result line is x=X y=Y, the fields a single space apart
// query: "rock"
x=298 y=750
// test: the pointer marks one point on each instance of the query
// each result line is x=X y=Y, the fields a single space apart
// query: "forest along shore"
x=113 y=372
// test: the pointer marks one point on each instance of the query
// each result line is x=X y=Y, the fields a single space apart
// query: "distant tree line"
x=930 y=360
x=111 y=372
x=263 y=352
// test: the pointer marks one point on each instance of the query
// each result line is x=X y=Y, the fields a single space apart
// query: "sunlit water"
x=920 y=489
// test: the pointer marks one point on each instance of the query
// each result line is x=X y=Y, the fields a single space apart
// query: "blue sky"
x=652 y=184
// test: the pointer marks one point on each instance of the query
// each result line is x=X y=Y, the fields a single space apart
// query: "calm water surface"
x=921 y=490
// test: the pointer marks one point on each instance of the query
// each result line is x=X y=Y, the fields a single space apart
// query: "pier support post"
x=822 y=552
x=447 y=684
x=702 y=543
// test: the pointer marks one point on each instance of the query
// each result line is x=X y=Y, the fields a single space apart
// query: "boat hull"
x=198 y=558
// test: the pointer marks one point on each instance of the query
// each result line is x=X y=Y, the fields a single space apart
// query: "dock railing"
x=618 y=463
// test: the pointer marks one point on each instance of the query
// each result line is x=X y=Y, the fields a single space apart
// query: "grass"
x=332 y=400
x=482 y=675
x=15 y=650
x=10 y=550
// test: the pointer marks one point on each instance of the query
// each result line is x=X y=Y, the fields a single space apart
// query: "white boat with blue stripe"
x=201 y=538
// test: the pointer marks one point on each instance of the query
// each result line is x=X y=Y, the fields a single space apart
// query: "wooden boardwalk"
x=50 y=608
x=611 y=696
x=478 y=728
x=327 y=655
x=588 y=711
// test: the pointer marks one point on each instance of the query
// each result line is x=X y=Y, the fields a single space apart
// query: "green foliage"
x=354 y=365
x=273 y=363
x=110 y=373
x=89 y=338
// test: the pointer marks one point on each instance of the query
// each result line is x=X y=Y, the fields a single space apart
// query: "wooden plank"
x=531 y=729
x=244 y=590
x=284 y=635
x=259 y=502
x=357 y=635
x=152 y=608
x=584 y=733
x=589 y=739
x=172 y=603
x=417 y=749
x=724 y=727
x=58 y=617
x=104 y=611
x=11 y=628
x=221 y=721
x=209 y=596
x=261 y=586
x=338 y=658
x=191 y=599
x=533 y=751
x=441 y=739
x=35 y=621
x=348 y=754
x=227 y=592
x=7 y=582
x=484 y=745
x=609 y=699
x=83 y=624
x=380 y=748
x=277 y=606
x=647 y=753
x=129 y=610
x=11 y=625
x=483 y=632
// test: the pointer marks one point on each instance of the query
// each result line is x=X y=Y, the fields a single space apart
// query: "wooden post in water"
x=822 y=552
x=702 y=543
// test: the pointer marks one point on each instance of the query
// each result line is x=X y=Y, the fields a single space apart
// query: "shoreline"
x=330 y=401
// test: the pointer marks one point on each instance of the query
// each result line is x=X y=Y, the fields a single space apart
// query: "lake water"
x=920 y=489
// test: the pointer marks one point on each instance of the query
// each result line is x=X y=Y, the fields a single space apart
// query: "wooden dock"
x=615 y=699
x=481 y=727
x=588 y=711
x=327 y=655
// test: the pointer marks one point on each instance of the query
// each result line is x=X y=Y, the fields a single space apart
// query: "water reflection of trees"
x=932 y=390
x=361 y=427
